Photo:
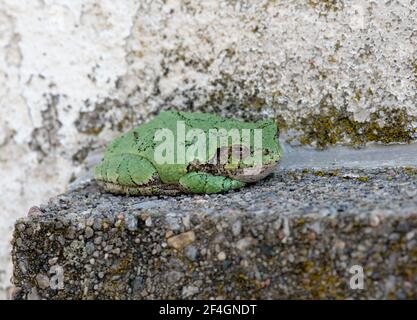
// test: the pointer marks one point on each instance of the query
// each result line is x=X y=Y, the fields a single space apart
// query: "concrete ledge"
x=294 y=235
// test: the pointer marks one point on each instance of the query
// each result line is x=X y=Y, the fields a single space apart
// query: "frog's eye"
x=220 y=157
x=239 y=152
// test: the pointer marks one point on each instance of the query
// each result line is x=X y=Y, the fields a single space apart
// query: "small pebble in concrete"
x=89 y=232
x=180 y=241
x=42 y=281
x=190 y=252
x=221 y=256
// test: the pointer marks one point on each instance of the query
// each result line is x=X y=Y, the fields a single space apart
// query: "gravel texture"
x=294 y=235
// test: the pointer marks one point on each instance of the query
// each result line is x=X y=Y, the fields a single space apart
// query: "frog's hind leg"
x=201 y=182
x=126 y=174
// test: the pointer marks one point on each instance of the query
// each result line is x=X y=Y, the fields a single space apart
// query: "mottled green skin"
x=128 y=166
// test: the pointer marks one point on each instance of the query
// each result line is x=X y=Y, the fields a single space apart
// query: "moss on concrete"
x=362 y=179
x=410 y=171
x=331 y=126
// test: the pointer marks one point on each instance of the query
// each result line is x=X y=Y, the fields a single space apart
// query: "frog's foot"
x=148 y=190
x=130 y=174
x=201 y=182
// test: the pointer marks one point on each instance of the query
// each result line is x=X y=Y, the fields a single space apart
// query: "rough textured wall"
x=75 y=73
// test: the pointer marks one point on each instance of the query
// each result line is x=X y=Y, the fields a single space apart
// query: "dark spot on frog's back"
x=266 y=152
x=136 y=135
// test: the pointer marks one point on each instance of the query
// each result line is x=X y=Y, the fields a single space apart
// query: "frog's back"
x=206 y=121
x=140 y=139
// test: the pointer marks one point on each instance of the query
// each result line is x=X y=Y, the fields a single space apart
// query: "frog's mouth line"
x=249 y=175
x=252 y=174
x=216 y=165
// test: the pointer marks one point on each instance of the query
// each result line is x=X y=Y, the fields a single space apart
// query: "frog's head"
x=261 y=160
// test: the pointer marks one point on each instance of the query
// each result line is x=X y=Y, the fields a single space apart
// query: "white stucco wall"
x=75 y=73
x=49 y=50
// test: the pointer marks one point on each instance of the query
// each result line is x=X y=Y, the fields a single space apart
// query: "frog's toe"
x=200 y=182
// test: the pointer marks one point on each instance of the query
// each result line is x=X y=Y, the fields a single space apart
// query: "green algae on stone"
x=362 y=179
x=410 y=171
x=330 y=173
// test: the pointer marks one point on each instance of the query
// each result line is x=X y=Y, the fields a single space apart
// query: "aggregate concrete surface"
x=300 y=233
